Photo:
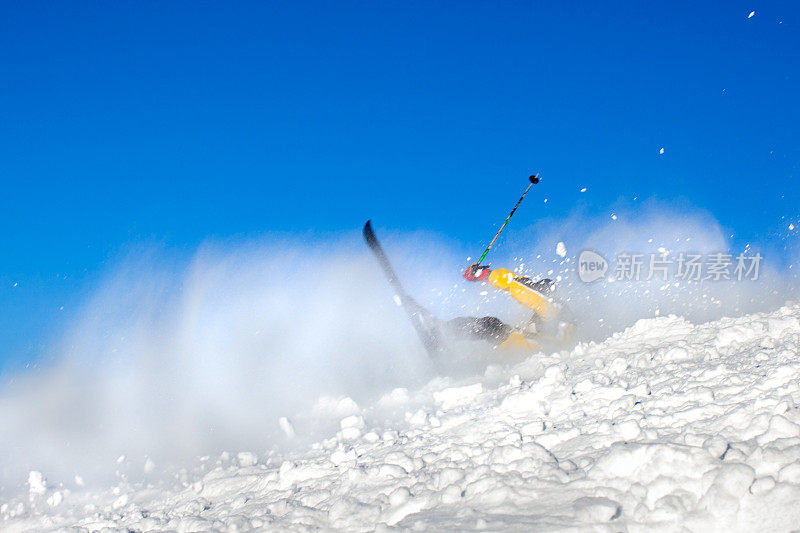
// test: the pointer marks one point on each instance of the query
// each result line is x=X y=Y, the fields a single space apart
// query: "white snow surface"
x=663 y=426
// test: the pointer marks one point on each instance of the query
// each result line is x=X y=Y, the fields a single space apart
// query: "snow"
x=561 y=249
x=286 y=426
x=37 y=483
x=662 y=426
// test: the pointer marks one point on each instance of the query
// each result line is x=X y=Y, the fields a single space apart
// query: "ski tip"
x=368 y=233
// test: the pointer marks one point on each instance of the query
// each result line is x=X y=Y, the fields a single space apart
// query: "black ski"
x=426 y=325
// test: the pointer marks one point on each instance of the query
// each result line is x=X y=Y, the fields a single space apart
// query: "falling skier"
x=549 y=324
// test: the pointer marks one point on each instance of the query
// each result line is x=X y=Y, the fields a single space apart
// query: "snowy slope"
x=666 y=424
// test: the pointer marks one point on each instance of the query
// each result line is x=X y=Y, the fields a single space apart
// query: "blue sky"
x=175 y=122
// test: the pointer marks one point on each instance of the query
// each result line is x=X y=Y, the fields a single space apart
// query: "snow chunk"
x=628 y=430
x=790 y=473
x=618 y=366
x=55 y=499
x=779 y=427
x=413 y=506
x=399 y=496
x=590 y=509
x=246 y=459
x=762 y=485
x=397 y=397
x=735 y=479
x=286 y=426
x=454 y=396
x=120 y=502
x=340 y=457
x=643 y=463
x=351 y=427
x=676 y=353
x=561 y=250
x=336 y=406
x=37 y=483
x=352 y=421
x=735 y=334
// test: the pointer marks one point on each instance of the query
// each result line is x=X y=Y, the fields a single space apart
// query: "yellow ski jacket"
x=522 y=290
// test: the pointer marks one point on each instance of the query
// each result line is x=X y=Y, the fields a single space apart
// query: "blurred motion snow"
x=274 y=383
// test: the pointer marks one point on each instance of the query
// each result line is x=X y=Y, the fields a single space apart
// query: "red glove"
x=476 y=273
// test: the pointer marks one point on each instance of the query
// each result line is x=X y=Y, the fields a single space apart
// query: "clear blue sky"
x=179 y=121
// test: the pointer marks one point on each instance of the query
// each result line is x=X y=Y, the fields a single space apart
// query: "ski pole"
x=534 y=180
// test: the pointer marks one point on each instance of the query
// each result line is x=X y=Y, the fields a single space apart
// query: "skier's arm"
x=523 y=293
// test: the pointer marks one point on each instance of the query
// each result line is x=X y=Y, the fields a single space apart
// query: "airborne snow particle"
x=613 y=216
x=661 y=151
x=583 y=190
x=561 y=250
x=751 y=14
x=791 y=227
x=37 y=483
x=286 y=426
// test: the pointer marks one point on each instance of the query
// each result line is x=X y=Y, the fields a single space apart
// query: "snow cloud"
x=175 y=358
x=266 y=345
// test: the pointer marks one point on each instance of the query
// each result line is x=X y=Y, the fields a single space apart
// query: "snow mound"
x=666 y=425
